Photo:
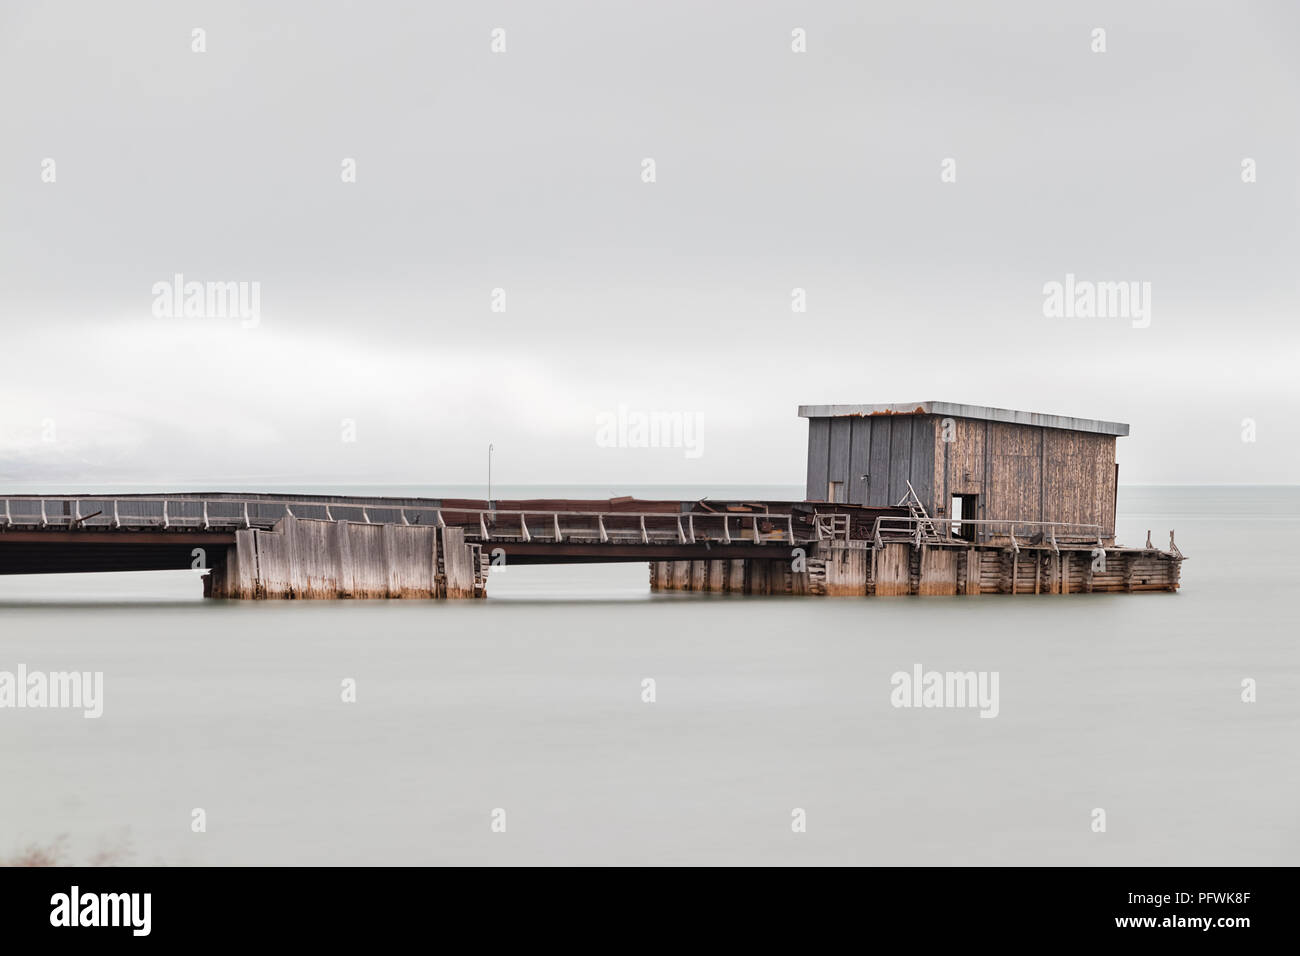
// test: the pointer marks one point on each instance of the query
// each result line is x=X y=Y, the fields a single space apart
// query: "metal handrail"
x=497 y=524
x=283 y=502
x=911 y=526
x=240 y=517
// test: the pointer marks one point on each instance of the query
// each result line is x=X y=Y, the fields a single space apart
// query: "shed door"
x=964 y=507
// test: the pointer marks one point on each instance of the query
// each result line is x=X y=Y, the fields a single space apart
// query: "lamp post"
x=490 y=450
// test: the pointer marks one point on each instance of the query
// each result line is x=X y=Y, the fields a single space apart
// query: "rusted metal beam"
x=569 y=552
x=56 y=537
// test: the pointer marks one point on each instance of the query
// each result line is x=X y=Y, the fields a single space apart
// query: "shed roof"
x=966 y=411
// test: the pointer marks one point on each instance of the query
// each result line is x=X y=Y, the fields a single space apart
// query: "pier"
x=927 y=498
x=335 y=547
x=265 y=546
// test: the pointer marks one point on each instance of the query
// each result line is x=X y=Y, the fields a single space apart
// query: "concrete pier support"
x=310 y=559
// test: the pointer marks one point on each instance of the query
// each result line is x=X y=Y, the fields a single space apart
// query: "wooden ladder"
x=924 y=525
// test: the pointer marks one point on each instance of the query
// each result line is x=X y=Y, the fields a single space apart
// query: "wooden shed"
x=969 y=463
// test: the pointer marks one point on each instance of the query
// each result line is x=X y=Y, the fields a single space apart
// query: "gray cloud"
x=521 y=171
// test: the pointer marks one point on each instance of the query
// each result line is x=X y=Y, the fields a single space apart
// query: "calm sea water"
x=531 y=702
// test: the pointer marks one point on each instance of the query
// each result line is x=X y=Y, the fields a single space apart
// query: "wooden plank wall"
x=1015 y=471
x=1025 y=472
x=841 y=440
x=891 y=449
x=847 y=570
x=1079 y=483
x=958 y=464
x=938 y=571
x=859 y=460
x=819 y=450
x=410 y=561
x=894 y=570
x=238 y=578
x=746 y=576
x=312 y=559
x=901 y=569
x=921 y=472
x=457 y=564
x=900 y=458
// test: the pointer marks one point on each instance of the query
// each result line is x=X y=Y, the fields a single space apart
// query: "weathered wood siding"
x=921 y=472
x=308 y=558
x=889 y=450
x=959 y=462
x=819 y=451
x=859 y=460
x=747 y=576
x=894 y=570
x=1015 y=472
x=841 y=439
x=1080 y=478
x=1024 y=472
x=847 y=570
x=938 y=571
x=457 y=564
x=901 y=568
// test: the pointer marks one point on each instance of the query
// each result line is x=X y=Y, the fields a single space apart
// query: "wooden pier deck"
x=267 y=546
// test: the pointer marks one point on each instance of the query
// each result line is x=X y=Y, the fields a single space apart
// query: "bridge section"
x=265 y=546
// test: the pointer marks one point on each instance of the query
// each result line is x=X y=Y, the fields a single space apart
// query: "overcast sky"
x=523 y=170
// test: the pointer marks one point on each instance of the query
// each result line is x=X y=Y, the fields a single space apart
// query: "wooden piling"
x=971 y=582
x=893 y=569
x=313 y=558
x=847 y=568
x=457 y=563
x=938 y=571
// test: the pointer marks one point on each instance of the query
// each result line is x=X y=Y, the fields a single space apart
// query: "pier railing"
x=986 y=531
x=627 y=527
x=495 y=524
x=226 y=514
